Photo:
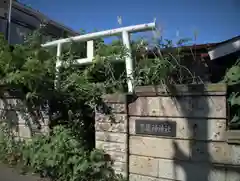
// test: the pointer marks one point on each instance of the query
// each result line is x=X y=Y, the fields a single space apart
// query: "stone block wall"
x=199 y=151
x=112 y=130
x=23 y=121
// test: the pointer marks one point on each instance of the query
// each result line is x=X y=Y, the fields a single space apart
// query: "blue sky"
x=214 y=20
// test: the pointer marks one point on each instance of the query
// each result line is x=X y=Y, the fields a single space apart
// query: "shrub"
x=59 y=156
x=10 y=148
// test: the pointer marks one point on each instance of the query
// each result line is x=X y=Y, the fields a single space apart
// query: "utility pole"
x=8 y=28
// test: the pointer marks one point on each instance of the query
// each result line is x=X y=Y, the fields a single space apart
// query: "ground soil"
x=14 y=174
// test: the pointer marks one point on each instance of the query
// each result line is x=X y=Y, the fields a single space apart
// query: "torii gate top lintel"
x=112 y=32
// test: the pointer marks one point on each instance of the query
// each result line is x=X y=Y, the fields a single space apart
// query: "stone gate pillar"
x=111 y=127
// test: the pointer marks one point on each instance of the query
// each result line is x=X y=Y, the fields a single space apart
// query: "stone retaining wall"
x=199 y=151
x=23 y=121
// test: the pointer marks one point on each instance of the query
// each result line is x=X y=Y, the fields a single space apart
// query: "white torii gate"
x=125 y=31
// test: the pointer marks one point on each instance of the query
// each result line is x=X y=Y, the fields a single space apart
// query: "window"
x=3 y=26
x=18 y=33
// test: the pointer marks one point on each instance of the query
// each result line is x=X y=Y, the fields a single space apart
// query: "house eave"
x=225 y=49
x=42 y=17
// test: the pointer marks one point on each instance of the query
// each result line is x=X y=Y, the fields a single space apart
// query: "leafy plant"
x=10 y=149
x=62 y=157
x=59 y=156
x=232 y=78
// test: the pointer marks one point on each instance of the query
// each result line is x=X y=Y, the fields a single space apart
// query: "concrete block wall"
x=199 y=151
x=23 y=122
